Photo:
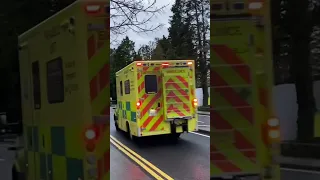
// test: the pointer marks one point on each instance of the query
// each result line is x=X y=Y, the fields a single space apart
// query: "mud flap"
x=176 y=123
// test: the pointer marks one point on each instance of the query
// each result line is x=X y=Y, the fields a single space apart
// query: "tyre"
x=129 y=134
x=15 y=175
x=115 y=118
x=117 y=126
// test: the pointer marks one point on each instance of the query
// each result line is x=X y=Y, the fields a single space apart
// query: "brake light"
x=138 y=104
x=139 y=64
x=91 y=134
x=165 y=64
x=195 y=102
x=93 y=8
x=189 y=63
x=90 y=147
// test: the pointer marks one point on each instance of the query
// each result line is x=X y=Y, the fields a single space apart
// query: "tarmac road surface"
x=186 y=160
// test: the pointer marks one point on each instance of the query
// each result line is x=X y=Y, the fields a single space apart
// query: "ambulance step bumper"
x=238 y=177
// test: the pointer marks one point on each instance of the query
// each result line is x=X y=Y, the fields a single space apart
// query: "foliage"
x=133 y=15
x=188 y=39
x=120 y=57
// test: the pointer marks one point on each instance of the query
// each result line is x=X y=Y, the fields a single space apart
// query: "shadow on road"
x=157 y=141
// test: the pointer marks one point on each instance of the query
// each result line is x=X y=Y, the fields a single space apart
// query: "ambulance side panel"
x=58 y=51
x=27 y=105
x=241 y=80
x=127 y=103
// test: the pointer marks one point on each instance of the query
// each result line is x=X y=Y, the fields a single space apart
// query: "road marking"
x=138 y=158
x=201 y=122
x=137 y=161
x=301 y=171
x=203 y=125
x=204 y=115
x=2 y=160
x=200 y=134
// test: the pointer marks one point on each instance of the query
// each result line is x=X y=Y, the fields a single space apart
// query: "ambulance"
x=64 y=74
x=245 y=133
x=156 y=98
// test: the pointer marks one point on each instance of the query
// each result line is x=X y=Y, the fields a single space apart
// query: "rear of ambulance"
x=96 y=129
x=244 y=133
x=166 y=100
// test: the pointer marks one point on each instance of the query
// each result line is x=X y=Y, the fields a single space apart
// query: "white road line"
x=2 y=159
x=204 y=115
x=200 y=134
x=203 y=125
x=301 y=171
x=200 y=122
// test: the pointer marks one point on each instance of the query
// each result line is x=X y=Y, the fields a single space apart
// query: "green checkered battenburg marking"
x=58 y=148
x=126 y=112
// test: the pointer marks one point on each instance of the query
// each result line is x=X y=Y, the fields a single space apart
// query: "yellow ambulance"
x=156 y=97
x=64 y=74
x=245 y=133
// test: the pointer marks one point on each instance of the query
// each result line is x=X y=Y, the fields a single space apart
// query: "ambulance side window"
x=151 y=84
x=127 y=87
x=55 y=84
x=36 y=85
x=121 y=89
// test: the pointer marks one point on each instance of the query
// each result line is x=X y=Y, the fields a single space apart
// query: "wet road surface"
x=124 y=168
x=186 y=160
x=6 y=162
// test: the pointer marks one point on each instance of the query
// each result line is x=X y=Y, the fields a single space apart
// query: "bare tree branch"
x=133 y=15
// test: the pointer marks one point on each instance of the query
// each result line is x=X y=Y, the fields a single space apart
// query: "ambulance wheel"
x=14 y=174
x=117 y=126
x=129 y=132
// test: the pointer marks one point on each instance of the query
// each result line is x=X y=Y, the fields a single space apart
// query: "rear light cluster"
x=195 y=102
x=91 y=135
x=273 y=130
x=138 y=105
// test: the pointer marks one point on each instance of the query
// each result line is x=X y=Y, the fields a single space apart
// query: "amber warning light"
x=195 y=102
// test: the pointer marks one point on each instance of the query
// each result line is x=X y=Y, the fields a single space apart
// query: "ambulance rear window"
x=151 y=84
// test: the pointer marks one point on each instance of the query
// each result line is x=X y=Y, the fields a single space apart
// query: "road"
x=204 y=122
x=186 y=160
x=6 y=161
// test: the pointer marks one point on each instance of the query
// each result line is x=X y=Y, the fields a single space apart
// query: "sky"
x=160 y=18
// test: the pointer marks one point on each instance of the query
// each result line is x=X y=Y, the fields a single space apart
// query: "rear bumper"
x=19 y=176
x=237 y=176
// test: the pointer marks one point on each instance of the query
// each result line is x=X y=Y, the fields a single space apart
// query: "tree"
x=132 y=15
x=197 y=22
x=121 y=57
x=145 y=52
x=158 y=53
